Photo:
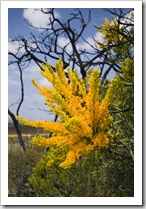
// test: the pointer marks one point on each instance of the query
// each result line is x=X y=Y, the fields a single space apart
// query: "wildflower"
x=83 y=111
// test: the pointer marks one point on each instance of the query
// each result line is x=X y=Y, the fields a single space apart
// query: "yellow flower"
x=83 y=111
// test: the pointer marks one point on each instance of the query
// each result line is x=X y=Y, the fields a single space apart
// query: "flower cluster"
x=111 y=32
x=83 y=111
x=116 y=40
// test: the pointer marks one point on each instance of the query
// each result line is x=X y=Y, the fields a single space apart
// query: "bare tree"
x=15 y=121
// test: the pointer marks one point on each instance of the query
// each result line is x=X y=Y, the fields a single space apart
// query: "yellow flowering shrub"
x=83 y=111
x=116 y=40
x=111 y=32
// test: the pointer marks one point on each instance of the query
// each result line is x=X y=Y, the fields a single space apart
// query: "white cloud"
x=62 y=42
x=14 y=46
x=29 y=73
x=12 y=68
x=127 y=19
x=12 y=82
x=33 y=72
x=99 y=37
x=13 y=76
x=91 y=40
x=37 y=18
x=44 y=82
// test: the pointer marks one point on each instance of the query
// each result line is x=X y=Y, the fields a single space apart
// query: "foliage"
x=118 y=171
x=77 y=181
x=83 y=112
x=104 y=172
x=118 y=39
x=123 y=114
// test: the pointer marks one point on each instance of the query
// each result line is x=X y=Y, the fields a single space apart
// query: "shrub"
x=99 y=174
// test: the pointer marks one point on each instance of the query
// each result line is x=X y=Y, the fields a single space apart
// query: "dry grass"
x=20 y=164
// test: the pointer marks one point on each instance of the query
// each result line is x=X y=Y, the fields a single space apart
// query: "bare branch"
x=22 y=90
x=17 y=128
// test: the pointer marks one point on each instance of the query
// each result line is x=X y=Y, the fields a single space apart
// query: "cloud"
x=44 y=82
x=14 y=46
x=62 y=42
x=127 y=19
x=31 y=72
x=99 y=37
x=37 y=18
x=13 y=82
x=13 y=76
x=92 y=42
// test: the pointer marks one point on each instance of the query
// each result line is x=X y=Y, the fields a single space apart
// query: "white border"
x=137 y=199
x=70 y=4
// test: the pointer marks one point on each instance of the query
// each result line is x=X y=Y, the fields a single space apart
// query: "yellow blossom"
x=83 y=111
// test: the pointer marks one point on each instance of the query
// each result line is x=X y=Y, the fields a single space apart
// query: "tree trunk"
x=16 y=125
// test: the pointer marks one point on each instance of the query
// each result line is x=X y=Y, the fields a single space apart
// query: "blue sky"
x=17 y=26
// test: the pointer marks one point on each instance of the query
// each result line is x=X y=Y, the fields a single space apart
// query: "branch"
x=22 y=90
x=16 y=125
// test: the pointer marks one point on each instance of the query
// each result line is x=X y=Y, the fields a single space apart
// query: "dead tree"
x=13 y=117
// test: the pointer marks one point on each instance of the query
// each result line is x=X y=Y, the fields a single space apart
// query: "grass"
x=20 y=164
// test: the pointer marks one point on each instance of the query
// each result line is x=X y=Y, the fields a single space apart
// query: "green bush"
x=101 y=174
